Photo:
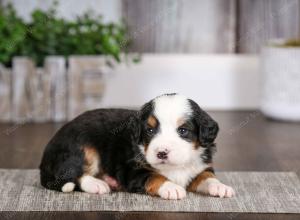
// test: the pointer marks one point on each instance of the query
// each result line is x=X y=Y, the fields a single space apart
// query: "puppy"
x=164 y=149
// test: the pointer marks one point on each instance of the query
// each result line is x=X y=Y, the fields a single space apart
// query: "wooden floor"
x=247 y=142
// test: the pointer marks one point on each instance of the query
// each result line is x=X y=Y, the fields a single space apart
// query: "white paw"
x=91 y=184
x=220 y=190
x=169 y=190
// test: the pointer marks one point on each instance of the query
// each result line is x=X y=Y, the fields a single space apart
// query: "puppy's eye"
x=182 y=131
x=150 y=130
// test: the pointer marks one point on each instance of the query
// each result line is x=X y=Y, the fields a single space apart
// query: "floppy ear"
x=135 y=122
x=146 y=110
x=208 y=128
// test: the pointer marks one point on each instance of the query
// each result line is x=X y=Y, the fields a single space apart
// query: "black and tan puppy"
x=163 y=150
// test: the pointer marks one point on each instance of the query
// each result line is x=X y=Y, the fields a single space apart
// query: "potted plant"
x=51 y=43
x=281 y=80
x=47 y=34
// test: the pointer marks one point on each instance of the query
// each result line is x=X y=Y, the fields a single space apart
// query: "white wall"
x=214 y=81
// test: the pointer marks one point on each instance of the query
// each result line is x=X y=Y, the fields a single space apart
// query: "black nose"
x=162 y=155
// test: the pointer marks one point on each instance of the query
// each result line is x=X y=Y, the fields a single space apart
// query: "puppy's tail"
x=68 y=187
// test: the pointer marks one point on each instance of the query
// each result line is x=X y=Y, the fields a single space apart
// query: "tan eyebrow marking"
x=152 y=121
x=180 y=121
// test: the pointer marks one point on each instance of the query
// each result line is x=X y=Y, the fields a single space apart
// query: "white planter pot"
x=281 y=82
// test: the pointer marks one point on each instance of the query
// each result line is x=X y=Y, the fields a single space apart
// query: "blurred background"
x=206 y=50
x=239 y=59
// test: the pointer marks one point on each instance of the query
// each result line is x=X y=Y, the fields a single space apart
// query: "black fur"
x=208 y=130
x=115 y=133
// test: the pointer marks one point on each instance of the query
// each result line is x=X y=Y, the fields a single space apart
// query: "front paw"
x=169 y=190
x=219 y=189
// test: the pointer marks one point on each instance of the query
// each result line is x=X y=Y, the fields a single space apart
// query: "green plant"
x=103 y=39
x=47 y=34
x=12 y=34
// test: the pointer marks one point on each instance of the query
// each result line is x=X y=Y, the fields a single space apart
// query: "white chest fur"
x=185 y=174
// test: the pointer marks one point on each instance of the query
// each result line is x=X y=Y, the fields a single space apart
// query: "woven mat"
x=257 y=192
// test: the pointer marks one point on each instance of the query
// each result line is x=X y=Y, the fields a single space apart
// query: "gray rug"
x=257 y=192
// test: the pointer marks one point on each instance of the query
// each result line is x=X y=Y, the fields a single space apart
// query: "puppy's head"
x=175 y=131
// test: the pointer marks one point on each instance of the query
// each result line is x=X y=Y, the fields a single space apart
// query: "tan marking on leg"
x=91 y=161
x=199 y=179
x=154 y=183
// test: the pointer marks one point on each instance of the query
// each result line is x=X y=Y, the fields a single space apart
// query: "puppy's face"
x=173 y=130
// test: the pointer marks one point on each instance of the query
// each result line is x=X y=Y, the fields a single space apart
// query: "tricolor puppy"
x=165 y=149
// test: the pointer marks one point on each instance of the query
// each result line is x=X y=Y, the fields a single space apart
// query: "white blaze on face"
x=168 y=110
